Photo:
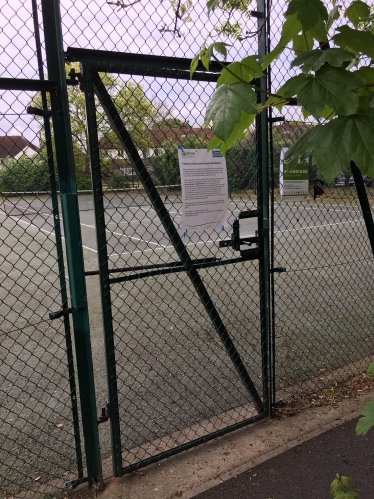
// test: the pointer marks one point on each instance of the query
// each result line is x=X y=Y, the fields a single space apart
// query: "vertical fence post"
x=59 y=250
x=73 y=238
x=263 y=211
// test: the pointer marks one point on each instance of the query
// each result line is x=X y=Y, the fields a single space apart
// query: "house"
x=15 y=146
x=157 y=136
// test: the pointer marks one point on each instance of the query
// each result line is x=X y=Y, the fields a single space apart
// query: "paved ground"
x=293 y=458
x=307 y=470
x=173 y=374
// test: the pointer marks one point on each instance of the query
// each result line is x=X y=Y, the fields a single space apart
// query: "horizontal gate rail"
x=144 y=65
x=27 y=85
x=191 y=444
x=173 y=270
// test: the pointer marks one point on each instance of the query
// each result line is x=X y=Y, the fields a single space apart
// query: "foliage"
x=342 y=488
x=240 y=161
x=25 y=174
x=119 y=182
x=335 y=85
x=135 y=109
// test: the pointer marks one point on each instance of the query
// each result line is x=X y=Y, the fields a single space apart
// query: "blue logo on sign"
x=216 y=154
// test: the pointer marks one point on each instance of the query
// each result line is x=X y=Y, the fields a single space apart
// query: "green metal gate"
x=145 y=428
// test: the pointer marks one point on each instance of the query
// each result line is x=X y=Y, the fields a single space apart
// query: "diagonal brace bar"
x=364 y=202
x=119 y=128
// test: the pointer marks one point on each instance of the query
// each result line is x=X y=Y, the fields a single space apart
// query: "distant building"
x=15 y=146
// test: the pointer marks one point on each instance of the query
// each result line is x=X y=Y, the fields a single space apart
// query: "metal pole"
x=364 y=202
x=93 y=147
x=73 y=238
x=58 y=243
x=175 y=238
x=263 y=211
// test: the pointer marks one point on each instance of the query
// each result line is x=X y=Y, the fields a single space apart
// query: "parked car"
x=339 y=181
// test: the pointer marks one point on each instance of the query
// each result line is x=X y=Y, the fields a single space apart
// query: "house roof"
x=11 y=145
x=158 y=136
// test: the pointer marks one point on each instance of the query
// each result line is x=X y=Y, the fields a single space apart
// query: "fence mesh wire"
x=175 y=381
x=38 y=437
x=322 y=304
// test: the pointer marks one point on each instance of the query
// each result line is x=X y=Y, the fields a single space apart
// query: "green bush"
x=83 y=181
x=119 y=182
x=24 y=174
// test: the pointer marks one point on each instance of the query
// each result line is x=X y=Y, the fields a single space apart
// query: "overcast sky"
x=138 y=29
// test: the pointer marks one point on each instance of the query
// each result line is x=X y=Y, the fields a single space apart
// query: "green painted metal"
x=59 y=249
x=175 y=238
x=73 y=239
x=144 y=65
x=263 y=213
x=106 y=302
x=174 y=270
x=364 y=202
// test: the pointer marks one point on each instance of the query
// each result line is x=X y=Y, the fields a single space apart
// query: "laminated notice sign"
x=204 y=189
x=293 y=183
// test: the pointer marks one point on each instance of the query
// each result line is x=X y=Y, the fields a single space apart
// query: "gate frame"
x=93 y=61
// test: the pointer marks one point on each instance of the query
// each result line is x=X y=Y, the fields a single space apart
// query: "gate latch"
x=238 y=242
x=60 y=313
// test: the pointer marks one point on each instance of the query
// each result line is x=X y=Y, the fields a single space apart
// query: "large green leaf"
x=355 y=40
x=308 y=12
x=340 y=488
x=370 y=369
x=319 y=31
x=288 y=90
x=226 y=106
x=245 y=122
x=333 y=16
x=245 y=70
x=367 y=420
x=366 y=74
x=290 y=29
x=303 y=43
x=330 y=86
x=357 y=12
x=336 y=143
x=313 y=60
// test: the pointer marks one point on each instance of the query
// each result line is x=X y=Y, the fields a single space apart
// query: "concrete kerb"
x=200 y=469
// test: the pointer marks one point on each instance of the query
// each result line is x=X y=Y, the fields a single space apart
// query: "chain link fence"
x=174 y=384
x=322 y=303
x=175 y=381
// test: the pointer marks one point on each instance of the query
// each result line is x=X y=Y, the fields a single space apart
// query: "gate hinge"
x=74 y=78
x=279 y=270
x=60 y=313
x=276 y=119
x=38 y=112
x=104 y=416
x=256 y=13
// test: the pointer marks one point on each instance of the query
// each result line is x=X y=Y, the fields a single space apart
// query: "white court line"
x=125 y=235
x=29 y=224
x=217 y=240
x=321 y=225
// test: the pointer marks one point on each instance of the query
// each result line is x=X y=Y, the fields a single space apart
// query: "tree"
x=135 y=109
x=334 y=86
x=240 y=161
